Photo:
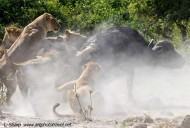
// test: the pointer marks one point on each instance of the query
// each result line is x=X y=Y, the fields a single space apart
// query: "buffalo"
x=126 y=49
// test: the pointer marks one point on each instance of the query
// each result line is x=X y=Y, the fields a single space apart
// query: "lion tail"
x=57 y=114
x=54 y=109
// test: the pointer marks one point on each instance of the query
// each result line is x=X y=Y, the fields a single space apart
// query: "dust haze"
x=156 y=89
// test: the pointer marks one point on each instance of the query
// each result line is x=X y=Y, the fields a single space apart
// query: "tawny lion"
x=26 y=47
x=84 y=93
x=10 y=36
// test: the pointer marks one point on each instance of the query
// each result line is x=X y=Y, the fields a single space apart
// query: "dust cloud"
x=155 y=88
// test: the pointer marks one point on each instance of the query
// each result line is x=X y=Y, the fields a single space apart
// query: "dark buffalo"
x=126 y=49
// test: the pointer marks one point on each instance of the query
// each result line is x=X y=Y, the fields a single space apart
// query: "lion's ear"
x=48 y=17
x=84 y=67
x=67 y=32
x=19 y=31
x=8 y=30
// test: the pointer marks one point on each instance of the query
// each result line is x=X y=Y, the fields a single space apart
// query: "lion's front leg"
x=56 y=39
x=33 y=31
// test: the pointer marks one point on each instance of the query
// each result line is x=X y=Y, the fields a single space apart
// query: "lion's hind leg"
x=79 y=99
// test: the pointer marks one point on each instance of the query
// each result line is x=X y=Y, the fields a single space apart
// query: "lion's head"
x=11 y=34
x=51 y=23
x=75 y=39
x=91 y=70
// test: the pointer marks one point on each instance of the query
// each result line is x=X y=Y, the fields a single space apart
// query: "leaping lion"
x=26 y=47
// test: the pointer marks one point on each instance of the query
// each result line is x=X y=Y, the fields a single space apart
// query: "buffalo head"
x=166 y=55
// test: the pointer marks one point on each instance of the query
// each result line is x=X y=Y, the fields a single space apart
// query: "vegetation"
x=157 y=19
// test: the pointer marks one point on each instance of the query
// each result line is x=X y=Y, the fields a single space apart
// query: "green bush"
x=87 y=15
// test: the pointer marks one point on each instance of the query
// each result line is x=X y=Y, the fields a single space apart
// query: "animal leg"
x=11 y=88
x=130 y=78
x=65 y=88
x=79 y=99
x=71 y=96
x=23 y=88
x=98 y=103
x=22 y=85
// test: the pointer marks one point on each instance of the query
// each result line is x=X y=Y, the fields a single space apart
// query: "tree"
x=174 y=11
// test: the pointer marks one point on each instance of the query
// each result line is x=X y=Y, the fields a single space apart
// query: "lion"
x=83 y=89
x=34 y=38
x=26 y=47
x=72 y=38
x=73 y=41
x=10 y=36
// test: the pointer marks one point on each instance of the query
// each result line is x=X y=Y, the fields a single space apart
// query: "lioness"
x=84 y=87
x=10 y=36
x=72 y=38
x=27 y=45
x=34 y=38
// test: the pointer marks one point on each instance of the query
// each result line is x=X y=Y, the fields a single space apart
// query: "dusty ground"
x=163 y=100
x=133 y=119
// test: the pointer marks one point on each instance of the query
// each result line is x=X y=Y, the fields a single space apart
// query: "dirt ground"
x=133 y=119
x=163 y=103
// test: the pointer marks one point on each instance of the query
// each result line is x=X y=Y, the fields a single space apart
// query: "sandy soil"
x=133 y=119
x=163 y=100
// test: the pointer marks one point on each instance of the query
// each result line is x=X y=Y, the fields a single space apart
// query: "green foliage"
x=158 y=19
x=176 y=10
x=22 y=12
x=85 y=15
